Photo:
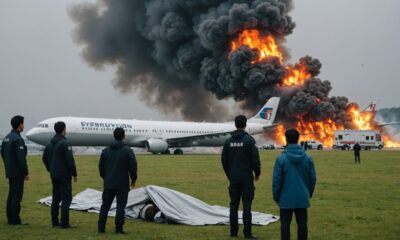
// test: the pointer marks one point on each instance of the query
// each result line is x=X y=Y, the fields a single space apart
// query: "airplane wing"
x=271 y=126
x=387 y=124
x=181 y=141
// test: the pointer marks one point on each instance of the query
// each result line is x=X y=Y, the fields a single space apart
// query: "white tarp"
x=176 y=206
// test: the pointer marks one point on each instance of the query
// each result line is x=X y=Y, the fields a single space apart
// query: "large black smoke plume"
x=176 y=53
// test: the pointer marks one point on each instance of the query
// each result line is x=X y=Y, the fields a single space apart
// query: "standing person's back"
x=293 y=185
x=60 y=162
x=357 y=149
x=241 y=163
x=117 y=164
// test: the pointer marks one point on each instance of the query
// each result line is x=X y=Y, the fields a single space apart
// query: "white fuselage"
x=99 y=132
x=156 y=136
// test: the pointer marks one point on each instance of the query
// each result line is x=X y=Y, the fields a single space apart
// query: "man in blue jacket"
x=117 y=164
x=13 y=152
x=293 y=185
x=241 y=163
x=60 y=162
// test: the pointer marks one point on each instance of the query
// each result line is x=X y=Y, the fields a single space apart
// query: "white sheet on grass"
x=176 y=206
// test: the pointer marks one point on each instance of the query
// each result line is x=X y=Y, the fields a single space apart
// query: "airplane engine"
x=156 y=145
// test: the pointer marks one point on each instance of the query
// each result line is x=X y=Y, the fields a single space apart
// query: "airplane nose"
x=32 y=135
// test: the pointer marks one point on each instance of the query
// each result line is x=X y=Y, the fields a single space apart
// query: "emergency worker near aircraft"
x=13 y=152
x=293 y=185
x=117 y=164
x=60 y=162
x=357 y=149
x=241 y=163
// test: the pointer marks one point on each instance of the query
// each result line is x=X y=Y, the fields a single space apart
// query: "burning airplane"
x=178 y=54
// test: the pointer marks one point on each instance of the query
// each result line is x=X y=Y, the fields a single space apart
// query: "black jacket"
x=58 y=158
x=13 y=152
x=117 y=162
x=357 y=148
x=240 y=157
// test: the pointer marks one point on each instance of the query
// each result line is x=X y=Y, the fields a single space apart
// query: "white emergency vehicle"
x=368 y=139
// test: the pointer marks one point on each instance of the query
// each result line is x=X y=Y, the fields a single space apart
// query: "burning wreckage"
x=177 y=54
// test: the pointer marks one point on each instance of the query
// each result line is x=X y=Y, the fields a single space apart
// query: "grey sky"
x=42 y=74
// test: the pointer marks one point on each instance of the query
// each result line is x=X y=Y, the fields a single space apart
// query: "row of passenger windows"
x=185 y=131
x=146 y=131
x=103 y=129
x=366 y=137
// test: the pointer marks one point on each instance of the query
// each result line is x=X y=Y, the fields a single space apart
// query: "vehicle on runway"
x=368 y=139
x=155 y=136
x=314 y=144
x=268 y=146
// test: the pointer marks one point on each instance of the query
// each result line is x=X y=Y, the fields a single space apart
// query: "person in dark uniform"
x=13 y=152
x=60 y=162
x=117 y=163
x=357 y=149
x=241 y=163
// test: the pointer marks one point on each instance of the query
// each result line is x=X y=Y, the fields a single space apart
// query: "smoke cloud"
x=388 y=115
x=176 y=54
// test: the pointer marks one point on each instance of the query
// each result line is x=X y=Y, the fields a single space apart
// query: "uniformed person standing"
x=241 y=163
x=357 y=149
x=13 y=152
x=60 y=162
x=117 y=163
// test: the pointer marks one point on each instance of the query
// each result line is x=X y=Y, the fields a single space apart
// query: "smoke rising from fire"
x=170 y=50
x=389 y=115
x=185 y=55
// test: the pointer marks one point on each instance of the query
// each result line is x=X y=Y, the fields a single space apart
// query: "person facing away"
x=357 y=149
x=305 y=145
x=59 y=161
x=117 y=163
x=293 y=185
x=241 y=163
x=13 y=152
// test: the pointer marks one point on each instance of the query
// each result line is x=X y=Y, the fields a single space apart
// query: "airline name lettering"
x=107 y=125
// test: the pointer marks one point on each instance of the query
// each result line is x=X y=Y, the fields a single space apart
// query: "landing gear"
x=167 y=152
x=178 y=151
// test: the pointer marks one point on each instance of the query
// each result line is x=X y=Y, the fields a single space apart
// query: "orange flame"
x=389 y=143
x=295 y=76
x=265 y=45
x=362 y=120
x=323 y=131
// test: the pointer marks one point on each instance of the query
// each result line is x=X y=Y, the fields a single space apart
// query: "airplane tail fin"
x=268 y=112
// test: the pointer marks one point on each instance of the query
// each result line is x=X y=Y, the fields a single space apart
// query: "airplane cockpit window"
x=42 y=125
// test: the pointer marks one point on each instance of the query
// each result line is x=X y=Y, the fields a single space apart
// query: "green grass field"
x=350 y=202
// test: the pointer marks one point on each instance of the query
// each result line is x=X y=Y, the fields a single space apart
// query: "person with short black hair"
x=14 y=152
x=293 y=185
x=117 y=163
x=59 y=161
x=241 y=163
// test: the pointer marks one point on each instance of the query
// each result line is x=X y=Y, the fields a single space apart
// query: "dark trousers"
x=357 y=157
x=15 y=192
x=246 y=192
x=301 y=219
x=108 y=198
x=62 y=192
